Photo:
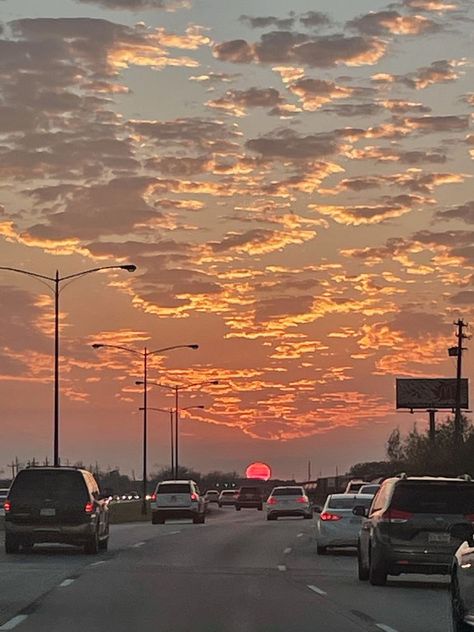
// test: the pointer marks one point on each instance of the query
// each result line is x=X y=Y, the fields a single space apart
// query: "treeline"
x=417 y=455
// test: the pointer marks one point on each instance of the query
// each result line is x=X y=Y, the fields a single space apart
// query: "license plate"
x=46 y=511
x=444 y=538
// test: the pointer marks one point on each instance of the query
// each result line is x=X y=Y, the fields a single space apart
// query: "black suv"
x=407 y=529
x=56 y=504
x=249 y=497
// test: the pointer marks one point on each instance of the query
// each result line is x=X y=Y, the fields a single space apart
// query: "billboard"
x=430 y=393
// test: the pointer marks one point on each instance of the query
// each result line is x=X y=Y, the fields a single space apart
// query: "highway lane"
x=236 y=573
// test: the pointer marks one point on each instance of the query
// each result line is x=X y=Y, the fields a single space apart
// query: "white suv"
x=177 y=499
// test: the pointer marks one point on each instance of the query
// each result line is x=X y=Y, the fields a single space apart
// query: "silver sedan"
x=337 y=525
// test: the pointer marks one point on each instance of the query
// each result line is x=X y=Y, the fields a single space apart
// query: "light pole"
x=177 y=388
x=145 y=354
x=57 y=280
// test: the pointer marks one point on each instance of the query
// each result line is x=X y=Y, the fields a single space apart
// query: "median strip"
x=9 y=625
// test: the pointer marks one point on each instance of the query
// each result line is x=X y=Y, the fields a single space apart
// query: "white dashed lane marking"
x=97 y=563
x=300 y=535
x=135 y=546
x=317 y=590
x=287 y=550
x=66 y=582
x=281 y=567
x=9 y=625
x=385 y=628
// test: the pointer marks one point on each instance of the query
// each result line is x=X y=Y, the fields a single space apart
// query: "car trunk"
x=173 y=495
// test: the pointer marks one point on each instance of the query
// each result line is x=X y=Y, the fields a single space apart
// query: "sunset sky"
x=294 y=183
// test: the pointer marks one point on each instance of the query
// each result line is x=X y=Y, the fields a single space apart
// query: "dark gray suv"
x=55 y=504
x=407 y=528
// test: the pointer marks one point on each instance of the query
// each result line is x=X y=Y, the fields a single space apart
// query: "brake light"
x=7 y=506
x=153 y=498
x=89 y=508
x=272 y=501
x=326 y=516
x=194 y=496
x=469 y=517
x=396 y=516
x=302 y=499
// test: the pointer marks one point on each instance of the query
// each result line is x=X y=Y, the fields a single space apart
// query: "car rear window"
x=288 y=491
x=228 y=493
x=348 y=503
x=439 y=498
x=173 y=488
x=37 y=485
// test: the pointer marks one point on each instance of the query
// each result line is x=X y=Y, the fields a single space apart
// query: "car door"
x=366 y=529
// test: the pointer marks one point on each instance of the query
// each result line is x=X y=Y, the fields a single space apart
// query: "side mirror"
x=359 y=510
x=462 y=531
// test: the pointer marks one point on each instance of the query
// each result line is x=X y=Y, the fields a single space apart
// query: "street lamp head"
x=193 y=346
x=214 y=382
x=129 y=267
x=97 y=345
x=139 y=382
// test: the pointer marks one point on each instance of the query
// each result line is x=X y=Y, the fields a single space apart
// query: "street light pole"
x=176 y=423
x=57 y=280
x=145 y=354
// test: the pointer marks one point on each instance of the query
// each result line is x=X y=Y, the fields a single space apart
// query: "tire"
x=377 y=571
x=362 y=571
x=237 y=508
x=154 y=518
x=11 y=544
x=260 y=507
x=199 y=519
x=457 y=610
x=27 y=547
x=321 y=550
x=92 y=547
x=308 y=516
x=220 y=506
x=270 y=517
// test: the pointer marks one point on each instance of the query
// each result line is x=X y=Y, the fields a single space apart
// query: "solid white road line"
x=67 y=582
x=281 y=567
x=287 y=550
x=385 y=628
x=317 y=590
x=9 y=625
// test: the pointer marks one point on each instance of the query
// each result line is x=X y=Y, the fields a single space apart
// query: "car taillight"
x=396 y=516
x=194 y=496
x=329 y=516
x=153 y=497
x=272 y=501
x=469 y=517
x=302 y=499
x=7 y=506
x=89 y=508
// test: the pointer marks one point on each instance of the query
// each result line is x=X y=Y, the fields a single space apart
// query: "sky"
x=293 y=182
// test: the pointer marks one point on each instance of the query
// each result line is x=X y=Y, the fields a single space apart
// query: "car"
x=336 y=525
x=227 y=497
x=289 y=500
x=212 y=496
x=56 y=504
x=407 y=528
x=177 y=499
x=354 y=485
x=3 y=496
x=249 y=497
x=371 y=488
x=462 y=578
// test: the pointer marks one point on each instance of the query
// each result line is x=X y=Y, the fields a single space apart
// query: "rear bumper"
x=62 y=534
x=423 y=561
x=252 y=504
x=289 y=512
x=175 y=512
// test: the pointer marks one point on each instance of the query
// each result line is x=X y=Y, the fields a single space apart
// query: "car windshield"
x=348 y=503
x=438 y=498
x=173 y=488
x=288 y=491
x=34 y=486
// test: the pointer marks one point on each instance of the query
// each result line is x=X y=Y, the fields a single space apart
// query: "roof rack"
x=465 y=477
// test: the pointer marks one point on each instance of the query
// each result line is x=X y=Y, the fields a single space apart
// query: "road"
x=236 y=573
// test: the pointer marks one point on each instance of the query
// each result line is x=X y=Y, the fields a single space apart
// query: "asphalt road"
x=236 y=573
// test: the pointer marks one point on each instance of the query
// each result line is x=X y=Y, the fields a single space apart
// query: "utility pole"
x=457 y=412
x=432 y=431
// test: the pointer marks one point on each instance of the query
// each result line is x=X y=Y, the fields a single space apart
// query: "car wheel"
x=363 y=572
x=270 y=517
x=457 y=610
x=377 y=571
x=260 y=507
x=92 y=547
x=308 y=516
x=220 y=506
x=27 y=546
x=321 y=550
x=11 y=544
x=237 y=508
